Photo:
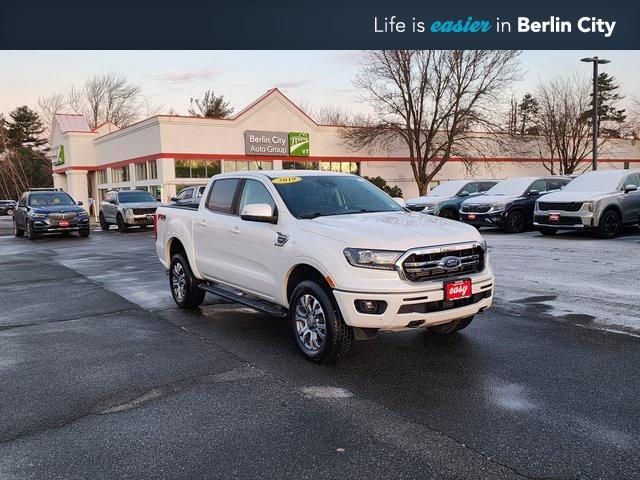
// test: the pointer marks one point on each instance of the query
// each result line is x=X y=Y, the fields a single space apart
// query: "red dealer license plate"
x=63 y=223
x=554 y=217
x=472 y=216
x=457 y=289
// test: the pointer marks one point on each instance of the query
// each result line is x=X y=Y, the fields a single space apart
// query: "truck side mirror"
x=174 y=199
x=463 y=193
x=533 y=193
x=630 y=188
x=80 y=203
x=258 y=212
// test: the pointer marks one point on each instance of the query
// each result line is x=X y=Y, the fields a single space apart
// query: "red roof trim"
x=316 y=158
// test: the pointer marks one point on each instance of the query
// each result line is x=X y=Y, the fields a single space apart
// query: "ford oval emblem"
x=450 y=263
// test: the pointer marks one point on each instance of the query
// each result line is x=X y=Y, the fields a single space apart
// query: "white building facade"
x=164 y=153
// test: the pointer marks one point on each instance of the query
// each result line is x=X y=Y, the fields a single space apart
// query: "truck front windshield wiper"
x=308 y=216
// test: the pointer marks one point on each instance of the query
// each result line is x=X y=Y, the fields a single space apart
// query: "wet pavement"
x=103 y=378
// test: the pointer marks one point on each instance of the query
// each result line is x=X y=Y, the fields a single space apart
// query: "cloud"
x=190 y=76
x=293 y=84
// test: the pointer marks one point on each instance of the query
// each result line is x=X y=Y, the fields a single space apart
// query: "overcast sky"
x=318 y=78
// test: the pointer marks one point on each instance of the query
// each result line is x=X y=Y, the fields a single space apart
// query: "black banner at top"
x=329 y=24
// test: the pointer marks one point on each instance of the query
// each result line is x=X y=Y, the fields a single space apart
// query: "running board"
x=257 y=304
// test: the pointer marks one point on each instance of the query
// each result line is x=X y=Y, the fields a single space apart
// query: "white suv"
x=331 y=251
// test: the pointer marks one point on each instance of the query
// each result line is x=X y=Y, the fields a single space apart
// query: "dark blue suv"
x=49 y=211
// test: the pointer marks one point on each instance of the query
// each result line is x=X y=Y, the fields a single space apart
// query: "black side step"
x=255 y=303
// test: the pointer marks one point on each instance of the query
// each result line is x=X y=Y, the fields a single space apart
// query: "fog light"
x=372 y=307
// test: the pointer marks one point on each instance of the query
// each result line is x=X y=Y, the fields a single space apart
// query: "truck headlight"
x=128 y=212
x=590 y=206
x=365 y=258
x=38 y=215
x=497 y=207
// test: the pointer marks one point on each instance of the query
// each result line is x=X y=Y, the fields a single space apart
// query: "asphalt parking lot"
x=102 y=377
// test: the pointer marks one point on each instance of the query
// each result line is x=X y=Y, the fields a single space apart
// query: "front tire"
x=516 y=222
x=317 y=325
x=451 y=327
x=104 y=226
x=31 y=233
x=122 y=227
x=609 y=224
x=184 y=286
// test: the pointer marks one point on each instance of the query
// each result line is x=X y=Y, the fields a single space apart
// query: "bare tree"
x=565 y=133
x=48 y=107
x=109 y=97
x=429 y=100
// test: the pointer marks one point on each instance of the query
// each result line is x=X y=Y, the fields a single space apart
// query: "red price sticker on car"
x=554 y=217
x=472 y=216
x=457 y=289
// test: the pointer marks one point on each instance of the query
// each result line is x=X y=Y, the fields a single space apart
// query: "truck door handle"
x=202 y=222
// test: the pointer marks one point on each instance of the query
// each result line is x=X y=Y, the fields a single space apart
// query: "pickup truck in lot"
x=332 y=252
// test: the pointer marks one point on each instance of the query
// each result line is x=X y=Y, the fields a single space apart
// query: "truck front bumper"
x=489 y=219
x=416 y=308
x=568 y=220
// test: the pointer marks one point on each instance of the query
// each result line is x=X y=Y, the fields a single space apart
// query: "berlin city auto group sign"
x=283 y=144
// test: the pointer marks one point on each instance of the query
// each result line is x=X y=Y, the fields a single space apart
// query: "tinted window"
x=470 y=188
x=556 y=184
x=50 y=198
x=135 y=196
x=184 y=194
x=255 y=192
x=486 y=186
x=539 y=185
x=632 y=180
x=222 y=194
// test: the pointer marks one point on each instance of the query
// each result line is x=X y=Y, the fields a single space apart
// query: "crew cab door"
x=250 y=245
x=213 y=222
x=109 y=207
x=20 y=212
x=631 y=200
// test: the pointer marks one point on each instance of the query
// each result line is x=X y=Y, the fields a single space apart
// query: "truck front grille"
x=476 y=208
x=144 y=211
x=565 y=207
x=424 y=264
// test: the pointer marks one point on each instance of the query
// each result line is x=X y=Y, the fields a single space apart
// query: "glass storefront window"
x=300 y=165
x=243 y=165
x=196 y=168
x=153 y=169
x=119 y=175
x=183 y=168
x=101 y=176
x=141 y=171
x=213 y=167
x=343 y=167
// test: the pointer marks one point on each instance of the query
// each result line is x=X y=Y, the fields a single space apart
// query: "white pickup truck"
x=332 y=252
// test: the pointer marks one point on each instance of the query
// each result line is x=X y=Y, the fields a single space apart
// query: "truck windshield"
x=596 y=182
x=447 y=189
x=135 y=196
x=50 y=198
x=323 y=195
x=514 y=186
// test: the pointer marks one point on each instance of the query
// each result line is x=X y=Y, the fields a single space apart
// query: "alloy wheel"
x=179 y=281
x=311 y=325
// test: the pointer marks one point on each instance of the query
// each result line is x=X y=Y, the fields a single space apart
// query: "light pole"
x=596 y=61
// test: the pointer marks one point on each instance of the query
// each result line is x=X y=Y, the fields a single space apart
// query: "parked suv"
x=189 y=195
x=49 y=211
x=332 y=252
x=603 y=201
x=127 y=208
x=7 y=207
x=509 y=204
x=445 y=199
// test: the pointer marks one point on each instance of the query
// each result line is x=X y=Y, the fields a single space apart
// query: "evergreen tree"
x=25 y=128
x=527 y=113
x=381 y=183
x=610 y=118
x=210 y=106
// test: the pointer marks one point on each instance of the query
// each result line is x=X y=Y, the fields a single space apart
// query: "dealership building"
x=164 y=153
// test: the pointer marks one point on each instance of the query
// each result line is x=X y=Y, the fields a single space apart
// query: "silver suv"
x=603 y=201
x=127 y=208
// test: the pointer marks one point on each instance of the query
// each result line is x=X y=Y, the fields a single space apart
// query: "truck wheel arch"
x=615 y=208
x=300 y=273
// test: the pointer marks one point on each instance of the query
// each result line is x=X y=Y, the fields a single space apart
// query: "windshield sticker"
x=281 y=180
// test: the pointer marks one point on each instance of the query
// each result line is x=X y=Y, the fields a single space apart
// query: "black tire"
x=547 y=232
x=122 y=227
x=84 y=232
x=306 y=323
x=516 y=222
x=31 y=233
x=449 y=213
x=104 y=226
x=18 y=232
x=451 y=327
x=609 y=224
x=184 y=286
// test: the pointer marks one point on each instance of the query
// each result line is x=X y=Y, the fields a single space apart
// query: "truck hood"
x=390 y=230
x=428 y=200
x=574 y=196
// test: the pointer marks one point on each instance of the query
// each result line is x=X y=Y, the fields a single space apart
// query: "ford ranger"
x=332 y=252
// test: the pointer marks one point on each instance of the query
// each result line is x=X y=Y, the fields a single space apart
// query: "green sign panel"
x=59 y=156
x=298 y=144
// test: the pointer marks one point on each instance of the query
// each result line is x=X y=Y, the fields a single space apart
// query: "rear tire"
x=609 y=224
x=316 y=323
x=184 y=286
x=547 y=232
x=104 y=226
x=122 y=227
x=18 y=232
x=516 y=222
x=451 y=327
